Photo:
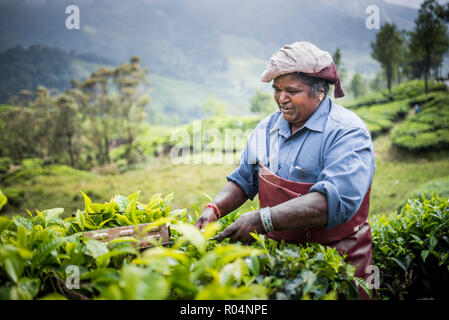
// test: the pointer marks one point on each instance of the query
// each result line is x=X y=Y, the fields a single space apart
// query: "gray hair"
x=317 y=85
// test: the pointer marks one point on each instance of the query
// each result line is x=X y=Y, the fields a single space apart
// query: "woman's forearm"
x=310 y=210
x=230 y=197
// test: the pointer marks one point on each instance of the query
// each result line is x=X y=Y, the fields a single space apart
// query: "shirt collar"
x=315 y=122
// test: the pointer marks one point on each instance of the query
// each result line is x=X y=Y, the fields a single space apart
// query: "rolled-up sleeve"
x=245 y=175
x=348 y=169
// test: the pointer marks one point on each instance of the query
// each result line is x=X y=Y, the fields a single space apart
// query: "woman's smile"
x=286 y=109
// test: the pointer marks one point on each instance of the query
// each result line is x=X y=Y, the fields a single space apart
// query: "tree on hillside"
x=387 y=50
x=130 y=81
x=339 y=64
x=429 y=40
x=261 y=102
x=214 y=107
x=357 y=87
x=68 y=132
x=78 y=127
x=378 y=83
x=100 y=112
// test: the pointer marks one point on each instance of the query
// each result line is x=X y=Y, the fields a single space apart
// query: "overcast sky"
x=411 y=3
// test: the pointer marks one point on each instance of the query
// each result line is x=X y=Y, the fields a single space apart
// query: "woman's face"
x=292 y=98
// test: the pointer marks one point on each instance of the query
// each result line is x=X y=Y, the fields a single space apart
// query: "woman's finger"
x=227 y=232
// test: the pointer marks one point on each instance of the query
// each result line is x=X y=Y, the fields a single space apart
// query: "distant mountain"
x=209 y=47
x=27 y=68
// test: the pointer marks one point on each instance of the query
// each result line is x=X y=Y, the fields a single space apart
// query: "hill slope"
x=217 y=47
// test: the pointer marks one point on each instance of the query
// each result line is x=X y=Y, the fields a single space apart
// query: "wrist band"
x=265 y=216
x=214 y=206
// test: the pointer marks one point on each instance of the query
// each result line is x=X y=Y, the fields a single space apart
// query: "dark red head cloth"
x=330 y=74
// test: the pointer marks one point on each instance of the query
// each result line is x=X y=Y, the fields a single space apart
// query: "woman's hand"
x=206 y=217
x=241 y=228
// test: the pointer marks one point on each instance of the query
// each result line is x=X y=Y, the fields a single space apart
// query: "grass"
x=398 y=174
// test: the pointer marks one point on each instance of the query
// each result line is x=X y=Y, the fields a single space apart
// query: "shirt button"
x=287 y=143
x=279 y=166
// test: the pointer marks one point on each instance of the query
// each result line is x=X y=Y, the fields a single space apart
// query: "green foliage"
x=412 y=89
x=380 y=118
x=24 y=174
x=336 y=56
x=427 y=130
x=309 y=271
x=357 y=85
x=3 y=200
x=429 y=40
x=218 y=134
x=78 y=126
x=262 y=102
x=5 y=163
x=299 y=271
x=120 y=211
x=411 y=250
x=35 y=253
x=387 y=50
x=439 y=185
x=214 y=106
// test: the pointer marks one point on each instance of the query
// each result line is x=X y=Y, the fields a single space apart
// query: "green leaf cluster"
x=120 y=211
x=411 y=249
x=36 y=252
x=380 y=118
x=427 y=130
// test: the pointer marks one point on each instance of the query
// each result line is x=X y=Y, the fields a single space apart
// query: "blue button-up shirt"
x=333 y=150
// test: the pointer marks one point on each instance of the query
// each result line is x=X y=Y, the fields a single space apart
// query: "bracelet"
x=265 y=216
x=214 y=206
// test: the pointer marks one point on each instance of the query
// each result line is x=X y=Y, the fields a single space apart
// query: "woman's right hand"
x=206 y=217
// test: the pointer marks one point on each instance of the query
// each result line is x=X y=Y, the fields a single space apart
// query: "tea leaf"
x=3 y=200
x=95 y=248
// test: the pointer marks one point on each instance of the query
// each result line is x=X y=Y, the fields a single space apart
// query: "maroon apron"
x=352 y=237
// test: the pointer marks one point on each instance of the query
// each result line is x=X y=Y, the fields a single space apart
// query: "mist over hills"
x=202 y=47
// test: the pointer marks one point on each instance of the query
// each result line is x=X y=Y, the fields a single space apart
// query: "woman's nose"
x=283 y=97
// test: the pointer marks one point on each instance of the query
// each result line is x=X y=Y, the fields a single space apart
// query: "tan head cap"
x=297 y=57
x=307 y=58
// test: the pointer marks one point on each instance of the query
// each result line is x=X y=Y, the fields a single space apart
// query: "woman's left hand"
x=241 y=228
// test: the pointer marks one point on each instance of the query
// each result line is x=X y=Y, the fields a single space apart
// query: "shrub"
x=5 y=163
x=380 y=118
x=35 y=252
x=440 y=186
x=15 y=196
x=411 y=249
x=427 y=130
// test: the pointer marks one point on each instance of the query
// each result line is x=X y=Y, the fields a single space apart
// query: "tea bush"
x=5 y=163
x=411 y=249
x=405 y=90
x=440 y=186
x=427 y=130
x=35 y=253
x=380 y=118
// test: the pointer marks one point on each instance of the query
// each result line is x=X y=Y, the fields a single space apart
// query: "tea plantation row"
x=37 y=254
